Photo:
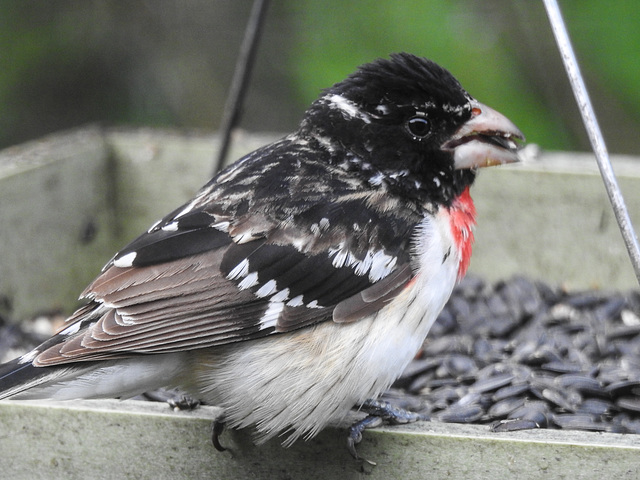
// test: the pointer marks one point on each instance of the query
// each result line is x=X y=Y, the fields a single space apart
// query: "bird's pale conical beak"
x=488 y=138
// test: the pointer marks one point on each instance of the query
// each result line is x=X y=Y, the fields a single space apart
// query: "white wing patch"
x=171 y=227
x=239 y=271
x=222 y=226
x=267 y=289
x=271 y=315
x=71 y=329
x=190 y=206
x=296 y=301
x=29 y=357
x=381 y=265
x=126 y=260
x=281 y=296
x=251 y=280
x=376 y=264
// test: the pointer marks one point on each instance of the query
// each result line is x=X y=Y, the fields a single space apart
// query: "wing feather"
x=196 y=280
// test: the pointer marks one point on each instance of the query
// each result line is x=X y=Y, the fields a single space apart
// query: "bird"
x=300 y=281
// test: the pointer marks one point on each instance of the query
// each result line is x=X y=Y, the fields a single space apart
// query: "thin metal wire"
x=238 y=88
x=595 y=135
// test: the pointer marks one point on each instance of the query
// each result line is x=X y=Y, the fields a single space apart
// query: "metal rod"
x=238 y=88
x=594 y=132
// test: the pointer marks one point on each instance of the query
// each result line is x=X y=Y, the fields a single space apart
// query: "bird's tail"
x=17 y=376
x=117 y=378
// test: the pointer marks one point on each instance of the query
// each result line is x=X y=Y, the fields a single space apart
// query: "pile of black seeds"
x=516 y=354
x=519 y=354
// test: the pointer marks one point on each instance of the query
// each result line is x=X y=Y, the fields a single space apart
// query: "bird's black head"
x=405 y=124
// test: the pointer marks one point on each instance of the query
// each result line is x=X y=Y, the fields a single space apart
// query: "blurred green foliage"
x=169 y=62
x=501 y=51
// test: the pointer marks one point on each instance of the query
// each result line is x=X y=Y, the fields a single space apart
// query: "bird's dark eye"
x=418 y=126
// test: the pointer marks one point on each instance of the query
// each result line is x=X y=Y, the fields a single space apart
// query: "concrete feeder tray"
x=69 y=201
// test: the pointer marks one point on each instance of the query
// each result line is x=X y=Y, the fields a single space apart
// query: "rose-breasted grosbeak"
x=301 y=280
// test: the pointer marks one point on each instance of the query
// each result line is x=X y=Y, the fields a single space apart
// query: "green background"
x=169 y=63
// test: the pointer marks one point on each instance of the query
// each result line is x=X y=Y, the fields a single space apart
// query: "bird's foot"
x=174 y=398
x=379 y=412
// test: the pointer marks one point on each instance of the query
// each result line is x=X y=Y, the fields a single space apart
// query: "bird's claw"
x=216 y=430
x=355 y=434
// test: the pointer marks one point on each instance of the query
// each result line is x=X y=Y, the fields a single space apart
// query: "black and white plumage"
x=300 y=281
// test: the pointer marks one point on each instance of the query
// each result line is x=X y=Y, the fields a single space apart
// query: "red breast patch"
x=463 y=221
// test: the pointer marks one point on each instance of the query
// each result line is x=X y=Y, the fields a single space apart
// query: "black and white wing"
x=231 y=266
